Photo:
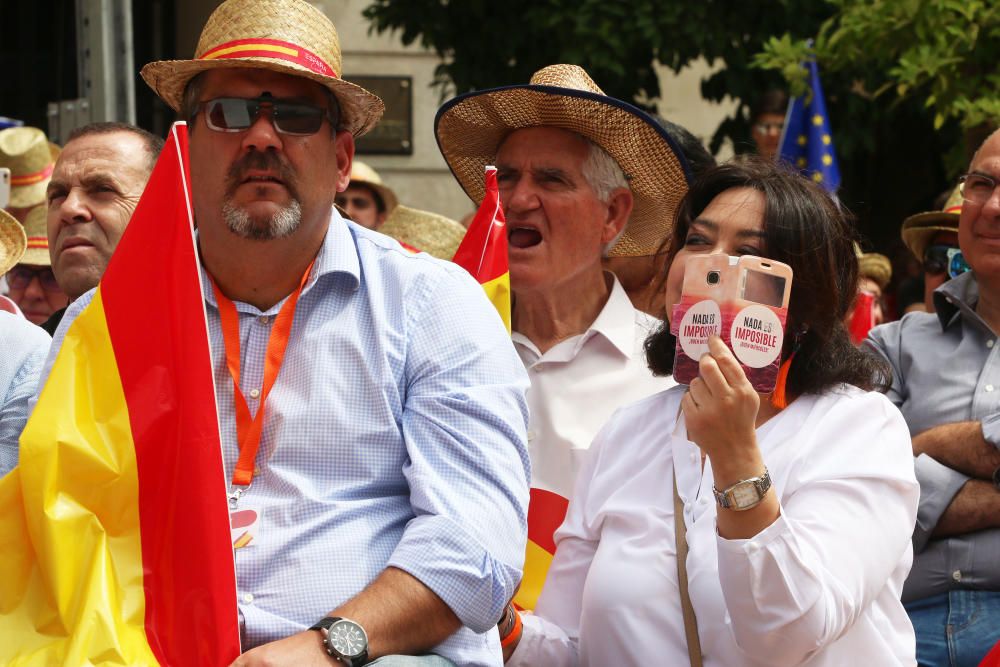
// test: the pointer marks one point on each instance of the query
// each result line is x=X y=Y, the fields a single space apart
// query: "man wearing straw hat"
x=932 y=237
x=946 y=382
x=23 y=347
x=31 y=283
x=367 y=200
x=389 y=476
x=30 y=158
x=581 y=175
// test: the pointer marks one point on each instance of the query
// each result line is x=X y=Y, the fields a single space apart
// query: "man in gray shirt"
x=946 y=382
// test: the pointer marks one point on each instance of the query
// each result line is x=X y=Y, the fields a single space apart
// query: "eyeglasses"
x=236 y=114
x=21 y=276
x=768 y=128
x=977 y=188
x=941 y=258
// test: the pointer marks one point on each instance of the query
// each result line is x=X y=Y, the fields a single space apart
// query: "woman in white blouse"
x=811 y=571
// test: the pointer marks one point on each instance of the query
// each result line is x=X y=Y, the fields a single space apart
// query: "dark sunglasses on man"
x=236 y=114
x=941 y=258
x=21 y=276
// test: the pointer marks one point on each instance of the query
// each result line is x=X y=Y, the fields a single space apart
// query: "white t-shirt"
x=820 y=586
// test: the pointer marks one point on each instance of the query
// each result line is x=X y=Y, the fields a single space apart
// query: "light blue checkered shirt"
x=394 y=435
x=23 y=346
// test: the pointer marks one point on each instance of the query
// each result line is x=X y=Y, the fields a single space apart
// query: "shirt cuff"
x=753 y=544
x=938 y=486
x=450 y=562
x=991 y=429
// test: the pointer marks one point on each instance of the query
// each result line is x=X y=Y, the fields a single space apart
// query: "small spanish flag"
x=483 y=251
x=114 y=528
x=546 y=512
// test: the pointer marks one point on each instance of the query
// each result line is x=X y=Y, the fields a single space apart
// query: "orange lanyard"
x=248 y=429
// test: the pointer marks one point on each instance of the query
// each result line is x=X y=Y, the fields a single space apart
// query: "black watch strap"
x=324 y=623
x=323 y=626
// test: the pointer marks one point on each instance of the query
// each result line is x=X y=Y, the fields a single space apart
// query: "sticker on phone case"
x=700 y=321
x=756 y=336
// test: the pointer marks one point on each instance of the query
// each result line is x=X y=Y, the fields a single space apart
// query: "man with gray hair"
x=581 y=175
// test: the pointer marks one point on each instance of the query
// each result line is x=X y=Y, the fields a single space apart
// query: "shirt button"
x=531 y=435
x=989 y=387
x=248 y=598
x=990 y=343
x=254 y=393
x=263 y=319
x=753 y=547
x=957 y=575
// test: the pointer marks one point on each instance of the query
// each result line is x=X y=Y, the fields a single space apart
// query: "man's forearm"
x=400 y=615
x=975 y=507
x=959 y=446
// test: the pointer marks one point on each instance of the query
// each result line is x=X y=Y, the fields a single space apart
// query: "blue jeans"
x=412 y=661
x=955 y=629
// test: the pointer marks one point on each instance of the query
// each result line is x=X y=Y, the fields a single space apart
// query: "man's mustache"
x=260 y=161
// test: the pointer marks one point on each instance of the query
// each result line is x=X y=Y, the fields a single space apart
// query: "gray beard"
x=280 y=225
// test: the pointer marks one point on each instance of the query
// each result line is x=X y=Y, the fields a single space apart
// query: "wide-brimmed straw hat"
x=919 y=229
x=287 y=36
x=471 y=127
x=36 y=229
x=31 y=158
x=423 y=230
x=12 y=241
x=362 y=174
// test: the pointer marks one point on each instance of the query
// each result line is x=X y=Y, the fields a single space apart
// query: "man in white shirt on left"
x=572 y=192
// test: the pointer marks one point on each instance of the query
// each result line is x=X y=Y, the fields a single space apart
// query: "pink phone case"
x=742 y=299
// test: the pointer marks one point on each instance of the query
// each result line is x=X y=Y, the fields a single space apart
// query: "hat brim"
x=13 y=241
x=430 y=232
x=471 y=127
x=28 y=196
x=919 y=229
x=360 y=109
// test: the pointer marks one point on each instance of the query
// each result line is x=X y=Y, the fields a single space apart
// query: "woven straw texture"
x=293 y=21
x=12 y=241
x=36 y=229
x=919 y=229
x=362 y=173
x=471 y=128
x=875 y=266
x=434 y=234
x=26 y=151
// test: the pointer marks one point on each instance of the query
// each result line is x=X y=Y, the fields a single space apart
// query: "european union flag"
x=807 y=141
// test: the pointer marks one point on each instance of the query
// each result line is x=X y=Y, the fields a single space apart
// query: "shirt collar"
x=960 y=294
x=616 y=321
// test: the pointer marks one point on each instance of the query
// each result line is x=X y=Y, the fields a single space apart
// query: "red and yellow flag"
x=546 y=512
x=483 y=251
x=114 y=528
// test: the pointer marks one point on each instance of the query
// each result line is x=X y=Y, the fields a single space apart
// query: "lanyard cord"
x=248 y=430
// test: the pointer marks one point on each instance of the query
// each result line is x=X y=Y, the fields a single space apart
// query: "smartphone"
x=743 y=300
x=4 y=187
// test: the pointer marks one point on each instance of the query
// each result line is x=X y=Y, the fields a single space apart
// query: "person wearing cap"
x=389 y=476
x=946 y=382
x=932 y=237
x=31 y=283
x=95 y=186
x=30 y=157
x=367 y=200
x=23 y=347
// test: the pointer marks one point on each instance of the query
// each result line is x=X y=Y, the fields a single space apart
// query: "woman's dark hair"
x=806 y=229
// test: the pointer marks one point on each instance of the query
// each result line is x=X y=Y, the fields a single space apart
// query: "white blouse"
x=820 y=586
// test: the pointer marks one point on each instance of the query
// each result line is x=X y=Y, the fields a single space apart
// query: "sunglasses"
x=941 y=258
x=21 y=276
x=236 y=114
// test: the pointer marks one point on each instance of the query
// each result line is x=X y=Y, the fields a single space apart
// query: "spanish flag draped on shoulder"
x=483 y=251
x=114 y=528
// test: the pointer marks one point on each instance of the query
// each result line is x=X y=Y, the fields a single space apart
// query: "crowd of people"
x=850 y=515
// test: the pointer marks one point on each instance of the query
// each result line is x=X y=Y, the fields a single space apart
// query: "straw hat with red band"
x=12 y=241
x=919 y=229
x=471 y=127
x=31 y=159
x=36 y=228
x=288 y=36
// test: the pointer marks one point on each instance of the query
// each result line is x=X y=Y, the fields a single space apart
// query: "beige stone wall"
x=422 y=179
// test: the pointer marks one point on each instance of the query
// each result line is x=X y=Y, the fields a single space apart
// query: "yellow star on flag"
x=802 y=162
x=802 y=140
x=817 y=120
x=826 y=139
x=827 y=160
x=818 y=177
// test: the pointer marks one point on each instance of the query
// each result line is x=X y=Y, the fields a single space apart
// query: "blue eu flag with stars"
x=807 y=141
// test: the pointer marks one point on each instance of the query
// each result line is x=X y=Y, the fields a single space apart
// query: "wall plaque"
x=394 y=133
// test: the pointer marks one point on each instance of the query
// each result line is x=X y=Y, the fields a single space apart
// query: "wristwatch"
x=744 y=494
x=344 y=640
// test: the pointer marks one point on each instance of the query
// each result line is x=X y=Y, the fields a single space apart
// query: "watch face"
x=347 y=638
x=745 y=494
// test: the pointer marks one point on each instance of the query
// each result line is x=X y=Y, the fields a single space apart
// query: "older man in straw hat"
x=31 y=283
x=946 y=382
x=22 y=352
x=30 y=158
x=389 y=476
x=933 y=239
x=367 y=200
x=581 y=175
